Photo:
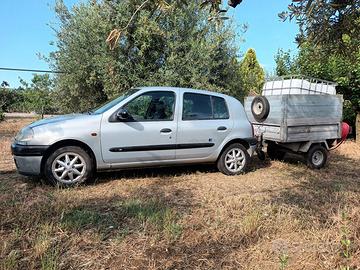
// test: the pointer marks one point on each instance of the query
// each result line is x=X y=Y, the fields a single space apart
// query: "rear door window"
x=204 y=107
x=220 y=109
x=197 y=107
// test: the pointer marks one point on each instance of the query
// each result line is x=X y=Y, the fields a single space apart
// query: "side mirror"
x=123 y=115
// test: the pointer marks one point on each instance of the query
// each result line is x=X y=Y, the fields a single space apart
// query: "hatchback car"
x=148 y=126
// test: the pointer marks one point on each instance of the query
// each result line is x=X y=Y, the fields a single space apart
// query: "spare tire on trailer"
x=260 y=108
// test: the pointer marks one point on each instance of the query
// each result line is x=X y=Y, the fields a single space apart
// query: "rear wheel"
x=316 y=157
x=234 y=160
x=68 y=166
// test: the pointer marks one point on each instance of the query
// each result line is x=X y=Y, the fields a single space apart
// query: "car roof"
x=182 y=90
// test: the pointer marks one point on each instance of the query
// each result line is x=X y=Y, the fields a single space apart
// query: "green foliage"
x=283 y=260
x=329 y=42
x=342 y=69
x=36 y=96
x=285 y=64
x=345 y=239
x=315 y=62
x=252 y=74
x=8 y=97
x=158 y=48
x=349 y=114
x=328 y=23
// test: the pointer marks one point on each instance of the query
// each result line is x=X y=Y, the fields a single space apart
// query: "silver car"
x=148 y=126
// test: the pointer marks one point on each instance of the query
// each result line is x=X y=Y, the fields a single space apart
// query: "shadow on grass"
x=147 y=209
x=322 y=192
x=155 y=172
x=123 y=217
x=150 y=209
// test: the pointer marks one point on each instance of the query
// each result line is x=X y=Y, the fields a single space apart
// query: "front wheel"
x=68 y=166
x=316 y=157
x=233 y=160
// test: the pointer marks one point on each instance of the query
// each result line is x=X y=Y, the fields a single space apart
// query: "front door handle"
x=165 y=130
x=222 y=128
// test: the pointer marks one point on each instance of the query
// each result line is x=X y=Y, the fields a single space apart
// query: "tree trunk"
x=357 y=128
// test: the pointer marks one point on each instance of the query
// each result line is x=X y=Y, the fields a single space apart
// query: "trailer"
x=296 y=114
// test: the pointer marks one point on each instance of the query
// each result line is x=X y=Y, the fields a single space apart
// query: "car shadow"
x=154 y=172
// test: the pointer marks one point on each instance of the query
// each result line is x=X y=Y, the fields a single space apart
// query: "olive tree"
x=158 y=48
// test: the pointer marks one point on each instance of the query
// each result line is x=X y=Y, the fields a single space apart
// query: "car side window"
x=196 y=107
x=219 y=108
x=152 y=106
x=203 y=107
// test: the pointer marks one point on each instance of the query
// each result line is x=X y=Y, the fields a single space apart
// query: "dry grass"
x=280 y=215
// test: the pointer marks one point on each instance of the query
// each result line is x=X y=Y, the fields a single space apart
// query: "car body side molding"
x=160 y=147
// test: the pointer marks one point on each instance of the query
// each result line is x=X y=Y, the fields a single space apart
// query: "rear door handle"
x=222 y=128
x=165 y=130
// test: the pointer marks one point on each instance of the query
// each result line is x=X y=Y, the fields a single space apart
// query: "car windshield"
x=109 y=104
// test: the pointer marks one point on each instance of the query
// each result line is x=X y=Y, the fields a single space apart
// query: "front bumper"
x=30 y=166
x=28 y=158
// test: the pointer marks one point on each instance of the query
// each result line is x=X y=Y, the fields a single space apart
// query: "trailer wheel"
x=260 y=108
x=316 y=157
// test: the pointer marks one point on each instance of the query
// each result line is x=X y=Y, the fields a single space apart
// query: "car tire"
x=274 y=152
x=316 y=157
x=68 y=166
x=237 y=153
x=260 y=108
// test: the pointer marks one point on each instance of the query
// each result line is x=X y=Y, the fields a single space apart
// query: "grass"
x=154 y=214
x=280 y=215
x=82 y=219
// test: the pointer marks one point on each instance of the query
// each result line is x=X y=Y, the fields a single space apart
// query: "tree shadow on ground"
x=148 y=206
x=321 y=192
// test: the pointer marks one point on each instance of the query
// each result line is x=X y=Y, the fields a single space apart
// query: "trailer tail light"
x=345 y=130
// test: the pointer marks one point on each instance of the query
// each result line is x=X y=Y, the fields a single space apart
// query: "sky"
x=25 y=32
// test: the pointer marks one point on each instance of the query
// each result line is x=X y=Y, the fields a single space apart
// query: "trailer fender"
x=304 y=148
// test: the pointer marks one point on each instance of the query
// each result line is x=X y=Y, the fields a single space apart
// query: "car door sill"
x=158 y=163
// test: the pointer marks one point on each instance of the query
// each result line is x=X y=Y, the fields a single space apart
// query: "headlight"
x=25 y=135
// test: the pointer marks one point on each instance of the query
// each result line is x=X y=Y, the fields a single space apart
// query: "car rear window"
x=203 y=107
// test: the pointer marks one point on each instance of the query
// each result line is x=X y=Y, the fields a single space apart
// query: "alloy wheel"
x=235 y=160
x=68 y=168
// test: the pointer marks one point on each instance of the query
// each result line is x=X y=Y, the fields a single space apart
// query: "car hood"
x=57 y=119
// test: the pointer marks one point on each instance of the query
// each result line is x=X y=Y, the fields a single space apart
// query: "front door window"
x=152 y=106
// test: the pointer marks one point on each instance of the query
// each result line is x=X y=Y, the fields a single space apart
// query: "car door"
x=149 y=134
x=203 y=126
